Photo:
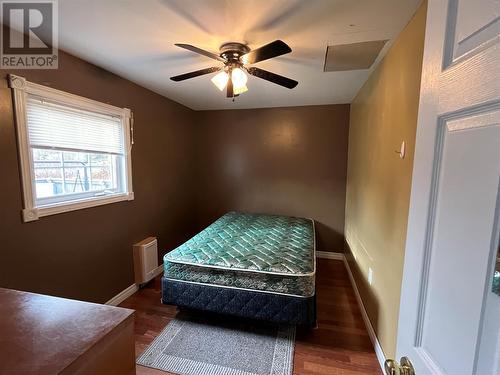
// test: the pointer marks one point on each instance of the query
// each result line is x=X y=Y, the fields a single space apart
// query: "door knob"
x=392 y=367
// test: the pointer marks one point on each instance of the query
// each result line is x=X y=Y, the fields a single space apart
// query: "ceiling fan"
x=235 y=57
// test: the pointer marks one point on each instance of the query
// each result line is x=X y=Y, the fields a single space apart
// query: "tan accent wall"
x=288 y=161
x=383 y=114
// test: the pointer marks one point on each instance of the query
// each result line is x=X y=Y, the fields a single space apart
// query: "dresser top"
x=42 y=334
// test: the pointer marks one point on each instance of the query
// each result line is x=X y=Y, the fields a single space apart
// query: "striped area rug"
x=194 y=345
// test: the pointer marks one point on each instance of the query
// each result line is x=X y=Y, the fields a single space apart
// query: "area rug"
x=194 y=345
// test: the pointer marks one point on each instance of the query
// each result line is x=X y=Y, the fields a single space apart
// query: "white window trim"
x=20 y=89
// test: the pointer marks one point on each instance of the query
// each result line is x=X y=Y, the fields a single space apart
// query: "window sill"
x=32 y=214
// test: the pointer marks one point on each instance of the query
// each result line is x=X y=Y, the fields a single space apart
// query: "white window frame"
x=21 y=88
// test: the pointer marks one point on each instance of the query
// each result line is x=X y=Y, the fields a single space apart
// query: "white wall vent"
x=145 y=260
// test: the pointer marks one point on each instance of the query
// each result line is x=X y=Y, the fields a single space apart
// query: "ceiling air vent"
x=352 y=56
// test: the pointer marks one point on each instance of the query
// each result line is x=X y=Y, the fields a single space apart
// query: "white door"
x=449 y=315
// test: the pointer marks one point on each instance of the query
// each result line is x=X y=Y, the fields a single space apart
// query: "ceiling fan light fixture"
x=220 y=80
x=233 y=75
x=240 y=90
x=239 y=79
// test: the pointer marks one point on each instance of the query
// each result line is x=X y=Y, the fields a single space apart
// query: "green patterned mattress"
x=267 y=253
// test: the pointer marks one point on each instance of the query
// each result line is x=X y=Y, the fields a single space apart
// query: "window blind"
x=56 y=126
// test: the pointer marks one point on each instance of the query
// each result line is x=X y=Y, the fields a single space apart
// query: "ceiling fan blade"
x=230 y=91
x=196 y=73
x=191 y=48
x=274 y=49
x=273 y=77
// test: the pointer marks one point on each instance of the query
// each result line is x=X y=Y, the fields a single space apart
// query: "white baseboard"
x=371 y=332
x=158 y=270
x=329 y=255
x=124 y=294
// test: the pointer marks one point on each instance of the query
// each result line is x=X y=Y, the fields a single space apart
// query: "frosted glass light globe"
x=220 y=80
x=240 y=90
x=239 y=78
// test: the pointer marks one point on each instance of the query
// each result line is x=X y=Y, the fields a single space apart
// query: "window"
x=74 y=152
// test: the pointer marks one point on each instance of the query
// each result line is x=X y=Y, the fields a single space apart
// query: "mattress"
x=267 y=253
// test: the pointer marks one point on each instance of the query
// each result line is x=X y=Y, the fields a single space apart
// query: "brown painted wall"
x=87 y=254
x=289 y=161
x=188 y=169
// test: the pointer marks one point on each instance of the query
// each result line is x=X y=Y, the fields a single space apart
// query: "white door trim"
x=457 y=89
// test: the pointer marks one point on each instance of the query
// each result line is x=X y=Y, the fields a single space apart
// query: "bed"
x=247 y=265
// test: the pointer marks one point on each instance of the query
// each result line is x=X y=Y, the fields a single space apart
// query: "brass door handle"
x=392 y=367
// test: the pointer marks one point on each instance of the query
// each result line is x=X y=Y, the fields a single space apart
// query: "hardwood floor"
x=340 y=345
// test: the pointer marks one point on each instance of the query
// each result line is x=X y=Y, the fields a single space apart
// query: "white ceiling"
x=135 y=39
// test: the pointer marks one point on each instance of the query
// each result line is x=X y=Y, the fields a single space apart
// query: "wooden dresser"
x=41 y=335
